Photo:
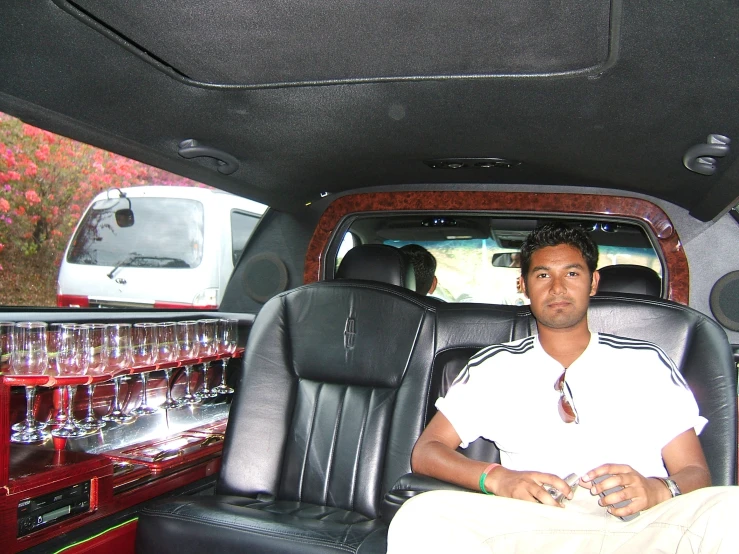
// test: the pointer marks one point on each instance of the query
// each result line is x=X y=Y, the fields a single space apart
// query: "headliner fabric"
x=286 y=41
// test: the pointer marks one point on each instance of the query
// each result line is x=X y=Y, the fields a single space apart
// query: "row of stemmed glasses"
x=70 y=349
x=65 y=349
x=187 y=340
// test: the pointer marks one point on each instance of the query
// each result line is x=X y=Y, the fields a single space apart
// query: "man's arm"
x=685 y=464
x=435 y=455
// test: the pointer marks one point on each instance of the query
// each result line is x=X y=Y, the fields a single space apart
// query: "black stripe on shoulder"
x=488 y=352
x=614 y=341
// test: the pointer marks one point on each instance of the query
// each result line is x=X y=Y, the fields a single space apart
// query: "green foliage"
x=46 y=181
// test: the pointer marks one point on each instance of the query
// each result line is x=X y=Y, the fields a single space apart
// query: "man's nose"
x=558 y=286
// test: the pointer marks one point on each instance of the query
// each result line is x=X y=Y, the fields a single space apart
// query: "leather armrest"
x=408 y=486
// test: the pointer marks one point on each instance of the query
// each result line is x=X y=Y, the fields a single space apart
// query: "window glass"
x=47 y=183
x=163 y=232
x=481 y=271
x=347 y=243
x=477 y=255
x=242 y=225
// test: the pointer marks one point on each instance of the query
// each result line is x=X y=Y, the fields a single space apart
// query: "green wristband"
x=484 y=476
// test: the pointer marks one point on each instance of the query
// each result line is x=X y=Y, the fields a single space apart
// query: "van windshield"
x=151 y=232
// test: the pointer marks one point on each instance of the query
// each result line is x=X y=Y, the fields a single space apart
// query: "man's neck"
x=565 y=345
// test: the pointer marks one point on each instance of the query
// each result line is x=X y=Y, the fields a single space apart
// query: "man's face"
x=559 y=286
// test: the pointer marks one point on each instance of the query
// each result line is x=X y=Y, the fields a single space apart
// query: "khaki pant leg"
x=461 y=522
x=444 y=521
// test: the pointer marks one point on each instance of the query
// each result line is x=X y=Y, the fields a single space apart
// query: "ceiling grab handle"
x=190 y=148
x=701 y=158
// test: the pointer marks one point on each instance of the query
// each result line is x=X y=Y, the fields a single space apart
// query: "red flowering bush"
x=46 y=181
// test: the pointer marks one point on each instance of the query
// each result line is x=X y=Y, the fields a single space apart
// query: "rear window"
x=477 y=256
x=477 y=270
x=150 y=232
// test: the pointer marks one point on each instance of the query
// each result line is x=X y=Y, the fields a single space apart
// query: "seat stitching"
x=332 y=452
x=308 y=441
x=358 y=455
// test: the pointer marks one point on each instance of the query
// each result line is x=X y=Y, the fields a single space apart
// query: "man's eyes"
x=545 y=275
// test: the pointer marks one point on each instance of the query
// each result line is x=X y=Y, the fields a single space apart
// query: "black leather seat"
x=317 y=451
x=378 y=262
x=321 y=426
x=630 y=279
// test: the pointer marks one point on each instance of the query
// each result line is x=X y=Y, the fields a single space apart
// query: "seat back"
x=378 y=262
x=630 y=279
x=698 y=346
x=330 y=403
x=700 y=349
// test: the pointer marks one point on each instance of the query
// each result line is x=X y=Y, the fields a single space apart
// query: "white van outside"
x=156 y=247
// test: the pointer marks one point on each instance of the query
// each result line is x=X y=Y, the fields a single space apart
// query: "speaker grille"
x=724 y=300
x=265 y=275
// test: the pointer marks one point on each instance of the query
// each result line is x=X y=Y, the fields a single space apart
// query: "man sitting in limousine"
x=613 y=411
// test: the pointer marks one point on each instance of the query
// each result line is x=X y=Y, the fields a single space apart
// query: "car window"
x=132 y=220
x=163 y=232
x=242 y=225
x=477 y=257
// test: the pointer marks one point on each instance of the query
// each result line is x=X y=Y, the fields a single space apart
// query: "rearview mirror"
x=507 y=259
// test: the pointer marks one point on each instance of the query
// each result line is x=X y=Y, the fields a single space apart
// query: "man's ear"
x=433 y=285
x=594 y=284
x=522 y=281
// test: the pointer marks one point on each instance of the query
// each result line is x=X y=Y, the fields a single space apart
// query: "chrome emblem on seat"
x=349 y=334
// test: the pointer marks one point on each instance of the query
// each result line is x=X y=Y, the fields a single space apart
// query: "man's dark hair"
x=424 y=266
x=554 y=234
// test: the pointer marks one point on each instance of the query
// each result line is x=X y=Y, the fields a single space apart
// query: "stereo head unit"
x=36 y=513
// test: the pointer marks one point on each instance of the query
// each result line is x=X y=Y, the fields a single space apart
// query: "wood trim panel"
x=676 y=270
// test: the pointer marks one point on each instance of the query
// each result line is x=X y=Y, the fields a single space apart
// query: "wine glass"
x=29 y=356
x=227 y=336
x=189 y=345
x=6 y=344
x=168 y=350
x=59 y=418
x=145 y=352
x=117 y=355
x=97 y=338
x=208 y=347
x=73 y=358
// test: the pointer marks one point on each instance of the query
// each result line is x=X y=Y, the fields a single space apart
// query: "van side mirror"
x=124 y=217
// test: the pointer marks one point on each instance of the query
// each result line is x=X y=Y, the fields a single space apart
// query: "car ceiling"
x=307 y=98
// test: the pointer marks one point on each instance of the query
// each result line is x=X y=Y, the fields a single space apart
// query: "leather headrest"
x=631 y=279
x=378 y=262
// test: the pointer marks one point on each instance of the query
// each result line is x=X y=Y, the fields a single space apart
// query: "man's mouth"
x=559 y=304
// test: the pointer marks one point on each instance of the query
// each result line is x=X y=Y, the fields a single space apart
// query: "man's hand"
x=642 y=491
x=526 y=485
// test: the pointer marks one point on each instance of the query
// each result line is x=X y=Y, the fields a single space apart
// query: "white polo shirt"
x=630 y=398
